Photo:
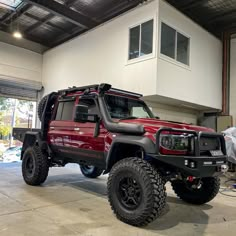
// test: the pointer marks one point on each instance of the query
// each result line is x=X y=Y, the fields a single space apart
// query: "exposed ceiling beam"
x=193 y=4
x=116 y=10
x=11 y=16
x=65 y=12
x=69 y=3
x=41 y=22
x=222 y=17
x=120 y=7
x=64 y=38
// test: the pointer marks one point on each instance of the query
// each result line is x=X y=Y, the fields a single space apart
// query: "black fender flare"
x=30 y=139
x=144 y=142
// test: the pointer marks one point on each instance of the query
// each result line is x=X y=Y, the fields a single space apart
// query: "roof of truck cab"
x=86 y=90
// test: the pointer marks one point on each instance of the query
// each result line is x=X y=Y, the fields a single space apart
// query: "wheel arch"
x=31 y=139
x=124 y=146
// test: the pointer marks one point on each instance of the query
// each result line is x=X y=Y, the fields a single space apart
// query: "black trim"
x=200 y=169
x=69 y=99
x=19 y=133
x=30 y=139
x=141 y=141
x=79 y=155
x=124 y=92
x=118 y=127
x=102 y=88
x=47 y=114
x=197 y=137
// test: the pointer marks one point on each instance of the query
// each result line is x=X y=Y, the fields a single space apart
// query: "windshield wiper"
x=129 y=118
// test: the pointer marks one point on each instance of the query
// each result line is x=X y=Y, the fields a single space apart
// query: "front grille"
x=209 y=143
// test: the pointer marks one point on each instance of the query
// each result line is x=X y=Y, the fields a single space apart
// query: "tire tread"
x=155 y=192
x=212 y=186
x=41 y=169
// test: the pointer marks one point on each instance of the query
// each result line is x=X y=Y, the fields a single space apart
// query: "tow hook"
x=224 y=168
x=196 y=183
x=190 y=178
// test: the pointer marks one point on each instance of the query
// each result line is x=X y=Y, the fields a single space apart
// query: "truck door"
x=61 y=127
x=74 y=141
x=91 y=148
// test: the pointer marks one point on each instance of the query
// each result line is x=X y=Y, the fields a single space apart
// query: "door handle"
x=52 y=128
x=76 y=129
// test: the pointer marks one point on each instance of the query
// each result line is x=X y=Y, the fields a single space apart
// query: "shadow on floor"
x=195 y=219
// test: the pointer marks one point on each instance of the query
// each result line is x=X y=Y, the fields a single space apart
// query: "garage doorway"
x=14 y=112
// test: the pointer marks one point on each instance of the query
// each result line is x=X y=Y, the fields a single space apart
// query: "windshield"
x=126 y=108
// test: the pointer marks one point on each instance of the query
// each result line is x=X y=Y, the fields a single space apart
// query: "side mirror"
x=82 y=115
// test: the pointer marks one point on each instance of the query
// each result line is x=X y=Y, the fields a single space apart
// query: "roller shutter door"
x=19 y=88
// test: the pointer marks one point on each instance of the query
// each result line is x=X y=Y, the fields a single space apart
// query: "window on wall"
x=141 y=40
x=174 y=44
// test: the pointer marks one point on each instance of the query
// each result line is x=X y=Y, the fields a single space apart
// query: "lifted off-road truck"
x=108 y=130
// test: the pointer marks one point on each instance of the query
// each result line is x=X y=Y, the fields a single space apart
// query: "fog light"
x=192 y=164
x=207 y=163
x=224 y=168
x=186 y=162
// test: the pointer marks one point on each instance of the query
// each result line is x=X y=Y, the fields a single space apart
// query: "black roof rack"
x=125 y=92
x=64 y=92
x=77 y=89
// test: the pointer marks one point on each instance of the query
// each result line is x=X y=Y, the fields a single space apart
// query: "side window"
x=59 y=111
x=65 y=110
x=92 y=108
x=141 y=40
x=174 y=44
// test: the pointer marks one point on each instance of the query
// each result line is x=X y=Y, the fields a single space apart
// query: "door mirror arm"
x=97 y=128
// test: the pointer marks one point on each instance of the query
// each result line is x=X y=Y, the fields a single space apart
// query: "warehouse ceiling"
x=216 y=16
x=52 y=22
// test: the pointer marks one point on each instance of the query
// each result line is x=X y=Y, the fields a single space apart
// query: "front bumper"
x=196 y=165
x=203 y=166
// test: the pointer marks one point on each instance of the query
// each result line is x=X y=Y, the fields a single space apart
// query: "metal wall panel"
x=19 y=88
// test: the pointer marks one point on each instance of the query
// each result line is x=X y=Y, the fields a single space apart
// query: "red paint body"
x=64 y=133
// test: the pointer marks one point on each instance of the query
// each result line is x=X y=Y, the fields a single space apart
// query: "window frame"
x=89 y=98
x=154 y=39
x=149 y=111
x=73 y=99
x=169 y=59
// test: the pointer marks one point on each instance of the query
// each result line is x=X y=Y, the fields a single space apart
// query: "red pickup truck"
x=107 y=130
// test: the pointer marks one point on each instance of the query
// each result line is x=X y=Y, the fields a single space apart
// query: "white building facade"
x=154 y=50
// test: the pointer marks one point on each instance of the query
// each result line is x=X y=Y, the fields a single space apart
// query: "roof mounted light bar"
x=102 y=88
x=126 y=92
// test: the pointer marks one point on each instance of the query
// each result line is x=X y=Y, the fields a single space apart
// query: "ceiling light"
x=17 y=34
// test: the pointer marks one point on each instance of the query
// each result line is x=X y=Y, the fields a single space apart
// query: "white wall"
x=101 y=56
x=20 y=63
x=233 y=80
x=173 y=113
x=201 y=82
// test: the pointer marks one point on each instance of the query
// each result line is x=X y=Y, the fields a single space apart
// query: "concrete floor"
x=69 y=204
